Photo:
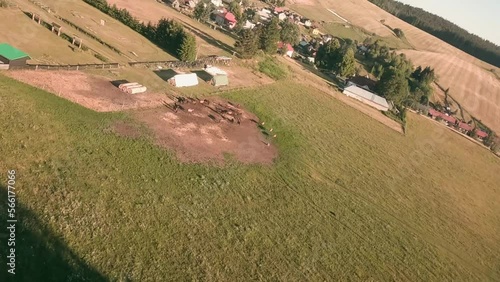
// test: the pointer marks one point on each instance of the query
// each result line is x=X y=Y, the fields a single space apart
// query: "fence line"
x=180 y=64
x=66 y=67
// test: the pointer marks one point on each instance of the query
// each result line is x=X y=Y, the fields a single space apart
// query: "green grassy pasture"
x=347 y=199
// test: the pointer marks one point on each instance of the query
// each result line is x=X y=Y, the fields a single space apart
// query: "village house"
x=226 y=18
x=217 y=3
x=278 y=10
x=327 y=38
x=264 y=14
x=434 y=114
x=451 y=121
x=281 y=16
x=305 y=22
x=248 y=25
x=191 y=3
x=315 y=31
x=481 y=134
x=464 y=127
x=286 y=48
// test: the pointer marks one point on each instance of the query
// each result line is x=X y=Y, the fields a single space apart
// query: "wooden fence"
x=66 y=67
x=180 y=64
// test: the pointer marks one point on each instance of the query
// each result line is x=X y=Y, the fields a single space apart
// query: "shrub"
x=272 y=69
x=101 y=57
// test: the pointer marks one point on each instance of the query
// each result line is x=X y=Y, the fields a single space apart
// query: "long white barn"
x=354 y=91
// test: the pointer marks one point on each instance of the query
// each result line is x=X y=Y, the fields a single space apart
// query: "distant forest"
x=443 y=29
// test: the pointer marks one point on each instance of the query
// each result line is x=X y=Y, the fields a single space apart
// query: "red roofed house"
x=226 y=19
x=278 y=10
x=464 y=127
x=288 y=49
x=481 y=134
x=434 y=114
x=451 y=120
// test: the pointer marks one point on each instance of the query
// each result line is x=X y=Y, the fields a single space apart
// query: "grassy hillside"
x=471 y=80
x=347 y=198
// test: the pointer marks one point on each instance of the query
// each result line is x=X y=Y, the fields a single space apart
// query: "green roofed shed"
x=12 y=56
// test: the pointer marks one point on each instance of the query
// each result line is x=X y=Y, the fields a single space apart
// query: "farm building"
x=354 y=91
x=464 y=127
x=434 y=114
x=220 y=80
x=216 y=76
x=364 y=82
x=184 y=80
x=449 y=119
x=12 y=56
x=481 y=134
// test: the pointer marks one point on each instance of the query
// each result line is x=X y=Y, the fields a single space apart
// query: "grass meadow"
x=347 y=199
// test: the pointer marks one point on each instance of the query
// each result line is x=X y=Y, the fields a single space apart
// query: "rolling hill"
x=470 y=80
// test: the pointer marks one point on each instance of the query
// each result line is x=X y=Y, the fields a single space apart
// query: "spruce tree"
x=347 y=65
x=247 y=44
x=270 y=36
x=187 y=48
x=327 y=56
x=289 y=32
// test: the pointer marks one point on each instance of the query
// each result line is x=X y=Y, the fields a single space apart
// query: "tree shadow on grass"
x=39 y=254
x=205 y=76
x=165 y=74
x=209 y=39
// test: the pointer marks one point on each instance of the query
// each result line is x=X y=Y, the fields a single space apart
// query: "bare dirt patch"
x=93 y=92
x=197 y=133
x=126 y=129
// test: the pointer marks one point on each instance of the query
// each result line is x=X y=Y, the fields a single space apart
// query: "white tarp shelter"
x=184 y=80
x=214 y=71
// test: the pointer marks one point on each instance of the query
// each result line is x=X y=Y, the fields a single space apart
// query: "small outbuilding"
x=220 y=80
x=216 y=76
x=12 y=56
x=184 y=80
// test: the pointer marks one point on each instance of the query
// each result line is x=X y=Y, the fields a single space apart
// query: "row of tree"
x=398 y=80
x=443 y=29
x=167 y=34
x=266 y=37
x=337 y=57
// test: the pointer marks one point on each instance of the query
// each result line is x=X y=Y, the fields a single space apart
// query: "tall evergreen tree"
x=289 y=32
x=328 y=55
x=347 y=65
x=393 y=85
x=187 y=49
x=235 y=8
x=248 y=43
x=270 y=36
